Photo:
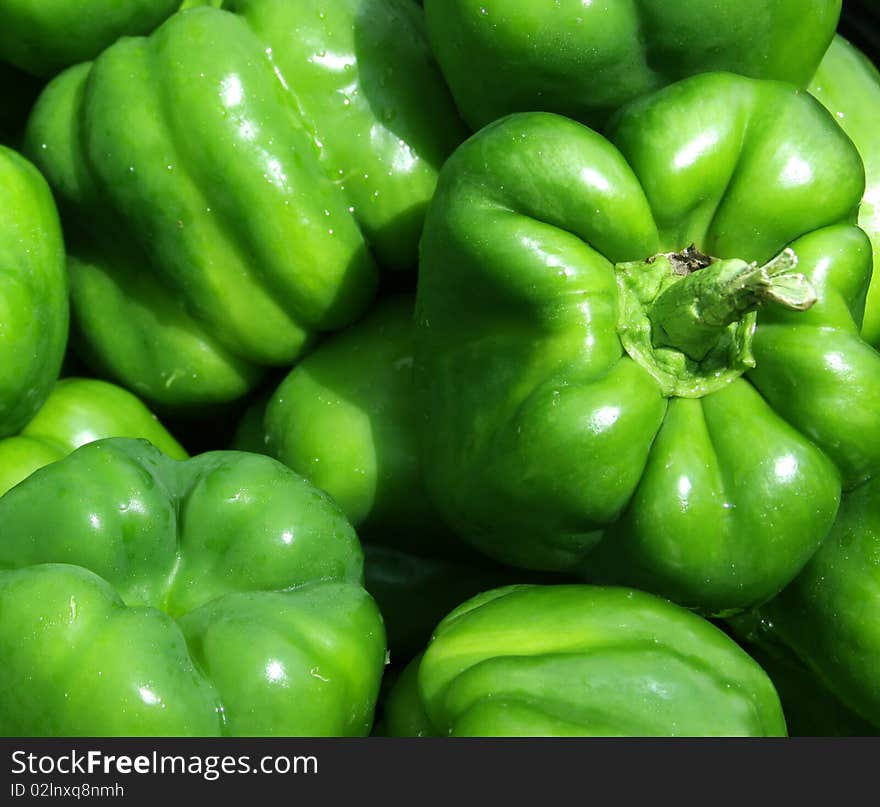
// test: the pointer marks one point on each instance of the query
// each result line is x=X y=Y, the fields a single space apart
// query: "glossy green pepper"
x=232 y=181
x=600 y=394
x=217 y=596
x=33 y=292
x=848 y=84
x=346 y=419
x=79 y=411
x=829 y=617
x=581 y=661
x=44 y=36
x=587 y=59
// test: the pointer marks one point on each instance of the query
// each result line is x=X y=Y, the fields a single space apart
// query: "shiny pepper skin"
x=233 y=182
x=559 y=433
x=216 y=596
x=848 y=85
x=33 y=292
x=79 y=411
x=581 y=661
x=586 y=60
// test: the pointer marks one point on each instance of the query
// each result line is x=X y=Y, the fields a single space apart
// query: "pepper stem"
x=693 y=312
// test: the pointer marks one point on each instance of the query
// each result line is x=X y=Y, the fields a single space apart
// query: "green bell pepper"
x=585 y=60
x=581 y=661
x=79 y=411
x=33 y=292
x=848 y=84
x=829 y=617
x=231 y=182
x=217 y=596
x=600 y=394
x=44 y=36
x=346 y=419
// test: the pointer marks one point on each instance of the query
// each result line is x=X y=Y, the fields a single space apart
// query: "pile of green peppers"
x=456 y=368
